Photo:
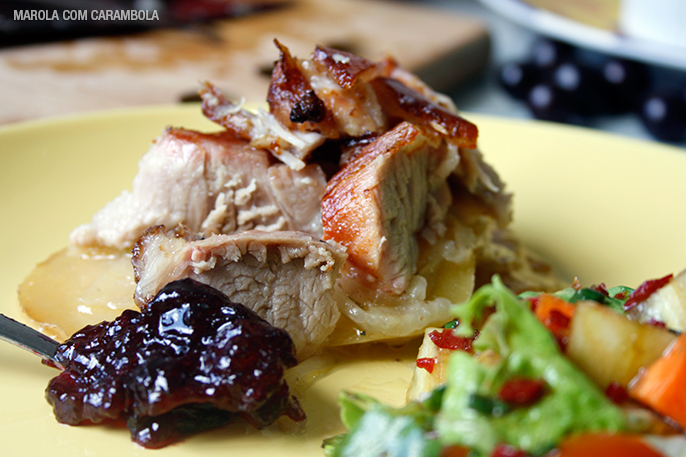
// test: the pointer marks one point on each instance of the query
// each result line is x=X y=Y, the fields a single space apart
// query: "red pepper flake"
x=522 y=391
x=428 y=363
x=620 y=295
x=505 y=450
x=656 y=323
x=562 y=342
x=533 y=302
x=556 y=314
x=601 y=288
x=446 y=339
x=559 y=326
x=557 y=322
x=645 y=290
x=616 y=393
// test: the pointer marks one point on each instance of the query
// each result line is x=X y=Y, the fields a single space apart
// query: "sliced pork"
x=211 y=183
x=404 y=103
x=360 y=193
x=288 y=278
x=379 y=202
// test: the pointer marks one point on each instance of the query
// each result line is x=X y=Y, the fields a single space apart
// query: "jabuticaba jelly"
x=191 y=361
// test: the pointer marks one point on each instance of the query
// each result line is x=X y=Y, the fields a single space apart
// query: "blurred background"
x=613 y=65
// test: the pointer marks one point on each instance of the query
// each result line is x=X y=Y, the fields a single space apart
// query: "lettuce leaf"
x=513 y=343
x=380 y=430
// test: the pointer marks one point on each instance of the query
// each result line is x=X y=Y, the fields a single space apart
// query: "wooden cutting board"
x=163 y=66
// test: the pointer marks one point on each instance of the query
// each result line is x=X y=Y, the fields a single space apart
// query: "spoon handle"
x=27 y=338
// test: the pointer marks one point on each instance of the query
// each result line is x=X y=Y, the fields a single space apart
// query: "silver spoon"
x=27 y=338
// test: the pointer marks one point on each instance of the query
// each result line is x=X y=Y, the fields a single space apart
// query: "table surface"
x=481 y=94
x=164 y=65
x=511 y=42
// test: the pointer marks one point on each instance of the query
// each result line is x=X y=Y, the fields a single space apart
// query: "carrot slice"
x=604 y=445
x=455 y=451
x=661 y=385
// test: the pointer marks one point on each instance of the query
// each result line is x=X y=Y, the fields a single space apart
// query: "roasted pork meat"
x=360 y=193
x=211 y=183
x=335 y=94
x=376 y=205
x=288 y=278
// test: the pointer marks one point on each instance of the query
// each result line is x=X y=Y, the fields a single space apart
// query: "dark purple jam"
x=191 y=361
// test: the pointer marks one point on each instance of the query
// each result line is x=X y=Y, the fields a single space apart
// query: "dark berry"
x=192 y=360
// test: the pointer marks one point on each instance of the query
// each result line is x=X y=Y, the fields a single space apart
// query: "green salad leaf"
x=377 y=429
x=615 y=299
x=514 y=344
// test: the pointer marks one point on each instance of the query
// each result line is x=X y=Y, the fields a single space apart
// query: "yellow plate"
x=603 y=208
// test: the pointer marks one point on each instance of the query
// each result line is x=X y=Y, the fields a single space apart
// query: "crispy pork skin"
x=261 y=128
x=410 y=80
x=288 y=278
x=211 y=183
x=380 y=201
x=361 y=97
x=334 y=95
x=341 y=80
x=292 y=100
x=402 y=102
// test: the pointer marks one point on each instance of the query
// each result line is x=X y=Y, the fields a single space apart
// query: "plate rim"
x=556 y=26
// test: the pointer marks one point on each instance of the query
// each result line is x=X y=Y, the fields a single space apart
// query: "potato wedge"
x=423 y=380
x=667 y=304
x=609 y=347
